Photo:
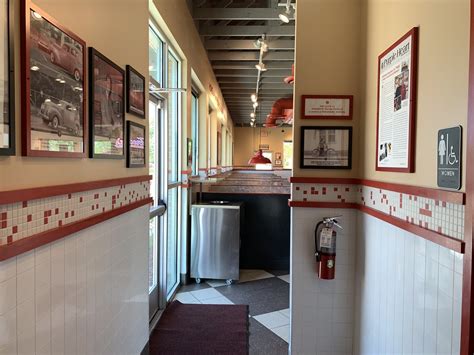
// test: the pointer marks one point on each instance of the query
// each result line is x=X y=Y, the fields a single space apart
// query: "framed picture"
x=396 y=105
x=53 y=99
x=135 y=92
x=327 y=106
x=106 y=107
x=326 y=147
x=135 y=145
x=278 y=156
x=7 y=99
x=277 y=162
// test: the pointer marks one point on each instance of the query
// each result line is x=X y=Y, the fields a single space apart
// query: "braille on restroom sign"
x=449 y=151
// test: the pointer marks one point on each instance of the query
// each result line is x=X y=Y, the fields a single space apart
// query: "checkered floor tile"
x=266 y=293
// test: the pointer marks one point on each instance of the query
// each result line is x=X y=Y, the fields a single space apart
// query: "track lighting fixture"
x=285 y=15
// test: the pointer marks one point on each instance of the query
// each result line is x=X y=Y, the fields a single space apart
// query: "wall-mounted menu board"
x=396 y=105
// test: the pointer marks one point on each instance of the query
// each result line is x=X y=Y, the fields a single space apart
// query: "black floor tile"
x=193 y=287
x=262 y=296
x=263 y=341
x=278 y=272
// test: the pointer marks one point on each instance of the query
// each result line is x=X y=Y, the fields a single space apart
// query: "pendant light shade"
x=258 y=158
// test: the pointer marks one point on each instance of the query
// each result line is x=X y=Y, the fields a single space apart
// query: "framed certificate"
x=327 y=106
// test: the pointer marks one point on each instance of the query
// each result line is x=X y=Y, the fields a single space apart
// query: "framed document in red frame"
x=53 y=67
x=396 y=105
x=336 y=107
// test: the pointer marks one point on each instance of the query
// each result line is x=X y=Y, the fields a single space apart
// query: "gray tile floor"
x=266 y=293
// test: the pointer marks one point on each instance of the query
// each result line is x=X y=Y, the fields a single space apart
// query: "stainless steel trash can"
x=215 y=240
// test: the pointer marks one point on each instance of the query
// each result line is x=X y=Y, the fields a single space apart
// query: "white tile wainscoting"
x=84 y=294
x=408 y=298
x=322 y=311
x=394 y=292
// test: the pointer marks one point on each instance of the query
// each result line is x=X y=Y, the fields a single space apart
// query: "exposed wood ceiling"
x=229 y=29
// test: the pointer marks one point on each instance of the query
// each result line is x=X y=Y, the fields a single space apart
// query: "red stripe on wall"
x=26 y=244
x=49 y=191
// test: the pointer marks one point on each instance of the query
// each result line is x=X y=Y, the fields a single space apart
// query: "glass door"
x=158 y=209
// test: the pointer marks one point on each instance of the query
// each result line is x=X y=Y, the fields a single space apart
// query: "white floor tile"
x=285 y=278
x=251 y=275
x=217 y=300
x=273 y=319
x=206 y=294
x=283 y=332
x=215 y=283
x=186 y=297
x=285 y=312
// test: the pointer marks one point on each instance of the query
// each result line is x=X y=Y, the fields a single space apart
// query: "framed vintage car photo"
x=135 y=145
x=53 y=94
x=135 y=92
x=7 y=87
x=326 y=147
x=106 y=107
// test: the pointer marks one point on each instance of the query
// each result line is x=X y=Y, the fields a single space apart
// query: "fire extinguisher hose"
x=316 y=241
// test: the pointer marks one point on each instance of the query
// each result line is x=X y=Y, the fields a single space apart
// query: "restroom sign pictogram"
x=449 y=150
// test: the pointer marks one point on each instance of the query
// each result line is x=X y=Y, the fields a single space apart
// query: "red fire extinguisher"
x=325 y=244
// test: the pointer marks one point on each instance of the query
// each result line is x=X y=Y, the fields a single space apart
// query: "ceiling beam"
x=231 y=14
x=249 y=79
x=251 y=65
x=250 y=56
x=250 y=31
x=251 y=72
x=251 y=86
x=246 y=44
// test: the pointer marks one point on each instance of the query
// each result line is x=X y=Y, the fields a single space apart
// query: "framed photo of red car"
x=7 y=80
x=135 y=92
x=334 y=107
x=396 y=105
x=136 y=146
x=326 y=147
x=53 y=66
x=106 y=107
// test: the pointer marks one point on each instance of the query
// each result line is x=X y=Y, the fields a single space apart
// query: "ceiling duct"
x=282 y=112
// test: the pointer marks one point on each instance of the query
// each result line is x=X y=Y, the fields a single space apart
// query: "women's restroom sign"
x=449 y=150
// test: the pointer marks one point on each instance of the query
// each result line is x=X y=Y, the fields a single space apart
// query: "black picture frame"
x=320 y=154
x=130 y=138
x=131 y=94
x=117 y=106
x=11 y=149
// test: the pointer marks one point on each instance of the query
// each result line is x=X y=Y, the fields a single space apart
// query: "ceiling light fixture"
x=261 y=66
x=285 y=15
x=252 y=114
x=255 y=104
x=253 y=97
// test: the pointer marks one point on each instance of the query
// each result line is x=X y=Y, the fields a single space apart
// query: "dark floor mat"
x=201 y=329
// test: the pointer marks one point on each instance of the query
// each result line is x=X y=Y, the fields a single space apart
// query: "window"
x=173 y=117
x=195 y=131
x=155 y=54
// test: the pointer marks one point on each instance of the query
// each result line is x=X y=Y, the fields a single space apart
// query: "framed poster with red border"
x=53 y=87
x=396 y=105
x=336 y=107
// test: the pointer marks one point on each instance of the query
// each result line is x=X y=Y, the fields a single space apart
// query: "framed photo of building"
x=327 y=107
x=136 y=148
x=7 y=80
x=53 y=66
x=396 y=105
x=135 y=92
x=106 y=107
x=326 y=147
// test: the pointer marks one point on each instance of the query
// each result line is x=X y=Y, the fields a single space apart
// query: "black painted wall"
x=266 y=230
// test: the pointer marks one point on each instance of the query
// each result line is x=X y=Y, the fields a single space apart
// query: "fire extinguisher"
x=325 y=244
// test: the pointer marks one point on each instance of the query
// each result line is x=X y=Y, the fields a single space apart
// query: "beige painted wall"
x=120 y=32
x=177 y=24
x=247 y=140
x=327 y=62
x=442 y=76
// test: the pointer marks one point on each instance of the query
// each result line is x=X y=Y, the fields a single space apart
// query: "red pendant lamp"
x=258 y=158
